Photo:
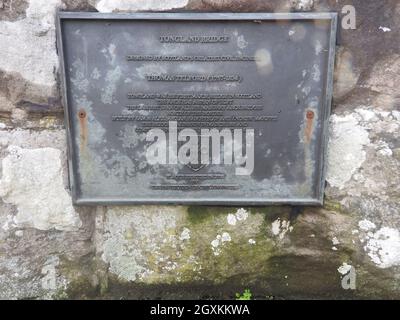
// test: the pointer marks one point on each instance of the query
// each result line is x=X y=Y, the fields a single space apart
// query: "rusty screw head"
x=310 y=114
x=82 y=114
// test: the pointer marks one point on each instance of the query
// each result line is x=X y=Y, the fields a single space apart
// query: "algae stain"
x=332 y=206
x=200 y=214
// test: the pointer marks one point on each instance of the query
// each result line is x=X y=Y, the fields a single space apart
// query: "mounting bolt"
x=82 y=114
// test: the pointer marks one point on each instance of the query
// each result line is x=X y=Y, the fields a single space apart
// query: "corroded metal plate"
x=201 y=108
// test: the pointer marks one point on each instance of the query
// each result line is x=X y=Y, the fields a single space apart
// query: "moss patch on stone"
x=82 y=284
x=198 y=214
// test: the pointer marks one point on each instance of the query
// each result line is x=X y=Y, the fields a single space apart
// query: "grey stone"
x=50 y=249
x=136 y=5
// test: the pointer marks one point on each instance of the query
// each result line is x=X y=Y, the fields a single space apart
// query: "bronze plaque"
x=200 y=108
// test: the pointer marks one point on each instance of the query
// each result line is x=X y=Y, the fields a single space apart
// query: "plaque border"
x=200 y=16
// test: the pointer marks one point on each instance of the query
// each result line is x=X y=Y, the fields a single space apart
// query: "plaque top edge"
x=198 y=15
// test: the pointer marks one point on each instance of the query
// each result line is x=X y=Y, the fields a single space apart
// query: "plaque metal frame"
x=190 y=16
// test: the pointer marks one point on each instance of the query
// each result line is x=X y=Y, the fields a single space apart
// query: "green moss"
x=81 y=288
x=103 y=286
x=200 y=214
x=332 y=206
x=85 y=279
x=263 y=210
x=197 y=214
x=60 y=295
x=237 y=261
x=78 y=288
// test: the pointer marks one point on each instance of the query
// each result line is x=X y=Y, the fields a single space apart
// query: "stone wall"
x=51 y=249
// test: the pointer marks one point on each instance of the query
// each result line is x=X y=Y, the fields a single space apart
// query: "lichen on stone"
x=32 y=181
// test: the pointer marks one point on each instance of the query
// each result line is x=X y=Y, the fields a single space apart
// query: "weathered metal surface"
x=267 y=76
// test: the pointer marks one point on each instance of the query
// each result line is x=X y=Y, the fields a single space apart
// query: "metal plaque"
x=197 y=108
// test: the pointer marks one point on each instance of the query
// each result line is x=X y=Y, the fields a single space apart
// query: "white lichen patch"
x=316 y=73
x=365 y=146
x=385 y=29
x=131 y=234
x=396 y=115
x=303 y=5
x=49 y=280
x=241 y=42
x=346 y=151
x=365 y=225
x=78 y=79
x=335 y=241
x=219 y=241
x=26 y=42
x=185 y=235
x=19 y=233
x=383 y=247
x=240 y=215
x=9 y=222
x=231 y=219
x=95 y=74
x=129 y=5
x=225 y=237
x=367 y=115
x=280 y=228
x=383 y=149
x=276 y=225
x=318 y=47
x=32 y=181
x=112 y=79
